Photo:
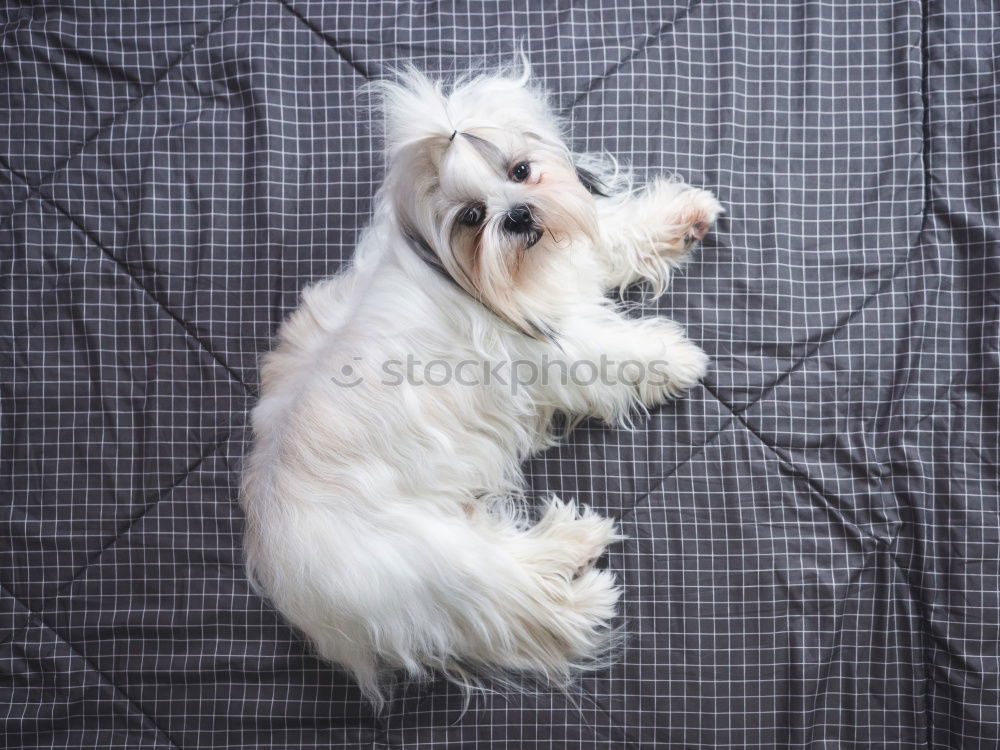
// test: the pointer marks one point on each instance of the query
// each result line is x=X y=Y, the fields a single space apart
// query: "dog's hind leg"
x=546 y=611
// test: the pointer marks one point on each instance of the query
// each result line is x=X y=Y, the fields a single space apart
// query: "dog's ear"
x=591 y=181
x=423 y=250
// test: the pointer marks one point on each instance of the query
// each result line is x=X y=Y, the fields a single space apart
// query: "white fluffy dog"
x=383 y=491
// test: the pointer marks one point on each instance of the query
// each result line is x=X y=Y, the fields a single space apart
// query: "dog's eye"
x=520 y=172
x=472 y=216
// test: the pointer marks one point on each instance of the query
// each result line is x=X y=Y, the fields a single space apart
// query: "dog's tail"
x=418 y=592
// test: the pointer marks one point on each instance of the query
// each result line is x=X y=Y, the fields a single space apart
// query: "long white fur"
x=385 y=519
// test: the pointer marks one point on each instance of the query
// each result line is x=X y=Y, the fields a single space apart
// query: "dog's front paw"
x=679 y=368
x=689 y=215
x=688 y=365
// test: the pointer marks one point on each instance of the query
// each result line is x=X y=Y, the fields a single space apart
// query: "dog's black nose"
x=518 y=220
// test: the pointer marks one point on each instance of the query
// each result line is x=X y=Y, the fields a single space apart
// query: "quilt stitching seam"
x=326 y=39
x=116 y=688
x=631 y=743
x=828 y=503
x=827 y=336
x=826 y=666
x=114 y=118
x=143 y=511
x=736 y=417
x=925 y=58
x=118 y=534
x=644 y=45
x=35 y=617
x=183 y=324
x=677 y=466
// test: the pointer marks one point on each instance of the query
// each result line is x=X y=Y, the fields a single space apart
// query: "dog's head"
x=484 y=189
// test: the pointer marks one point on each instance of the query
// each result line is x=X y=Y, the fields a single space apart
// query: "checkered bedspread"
x=813 y=535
